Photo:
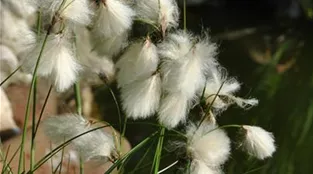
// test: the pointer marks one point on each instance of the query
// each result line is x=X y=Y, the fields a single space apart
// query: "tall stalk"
x=30 y=96
x=79 y=111
x=158 y=152
x=33 y=145
x=185 y=15
x=78 y=99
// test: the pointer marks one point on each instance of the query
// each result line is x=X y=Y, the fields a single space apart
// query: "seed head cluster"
x=164 y=73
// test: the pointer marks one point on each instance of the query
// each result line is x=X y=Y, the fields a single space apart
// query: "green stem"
x=11 y=159
x=79 y=111
x=141 y=160
x=124 y=128
x=38 y=23
x=203 y=91
x=60 y=147
x=61 y=162
x=133 y=150
x=18 y=68
x=28 y=101
x=24 y=166
x=158 y=152
x=188 y=166
x=32 y=145
x=185 y=15
x=78 y=98
x=42 y=110
x=51 y=160
x=4 y=159
x=210 y=107
x=81 y=165
x=225 y=126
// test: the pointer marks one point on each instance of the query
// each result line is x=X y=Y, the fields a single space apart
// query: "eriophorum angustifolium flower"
x=141 y=98
x=92 y=145
x=92 y=62
x=208 y=144
x=258 y=142
x=58 y=62
x=226 y=87
x=173 y=109
x=139 y=80
x=162 y=12
x=185 y=62
x=76 y=11
x=112 y=18
x=138 y=62
x=59 y=50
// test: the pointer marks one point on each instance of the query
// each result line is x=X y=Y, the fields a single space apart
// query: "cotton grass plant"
x=167 y=73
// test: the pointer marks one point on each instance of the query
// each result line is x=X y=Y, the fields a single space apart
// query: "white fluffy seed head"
x=15 y=32
x=199 y=167
x=113 y=17
x=217 y=78
x=138 y=62
x=93 y=63
x=168 y=15
x=65 y=69
x=163 y=12
x=77 y=11
x=208 y=144
x=57 y=61
x=110 y=46
x=206 y=51
x=93 y=145
x=184 y=76
x=141 y=98
x=173 y=52
x=219 y=82
x=258 y=142
x=176 y=45
x=173 y=110
x=185 y=64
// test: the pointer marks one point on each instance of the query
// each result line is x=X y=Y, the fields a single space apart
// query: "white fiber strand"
x=113 y=17
x=173 y=110
x=141 y=98
x=90 y=146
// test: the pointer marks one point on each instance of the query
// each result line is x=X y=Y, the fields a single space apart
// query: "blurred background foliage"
x=268 y=46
